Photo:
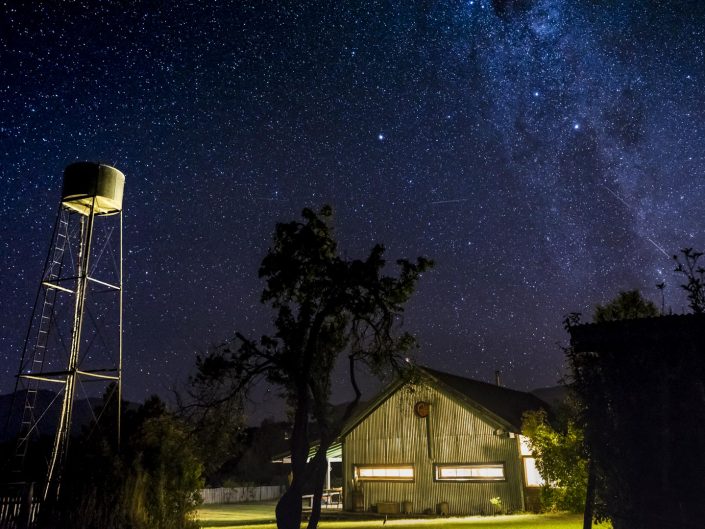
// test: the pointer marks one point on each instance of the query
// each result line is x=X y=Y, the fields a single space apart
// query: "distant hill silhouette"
x=82 y=413
x=554 y=396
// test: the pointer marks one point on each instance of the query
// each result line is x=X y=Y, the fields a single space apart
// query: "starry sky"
x=545 y=153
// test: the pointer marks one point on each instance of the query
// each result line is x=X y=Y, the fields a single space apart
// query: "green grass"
x=236 y=514
x=261 y=516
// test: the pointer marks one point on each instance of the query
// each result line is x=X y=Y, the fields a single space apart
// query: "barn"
x=441 y=444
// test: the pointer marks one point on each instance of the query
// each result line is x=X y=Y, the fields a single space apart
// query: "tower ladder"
x=35 y=366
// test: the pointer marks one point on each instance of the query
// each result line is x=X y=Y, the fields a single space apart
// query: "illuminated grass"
x=237 y=514
x=261 y=516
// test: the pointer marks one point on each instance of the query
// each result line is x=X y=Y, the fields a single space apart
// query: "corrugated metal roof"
x=507 y=404
x=502 y=404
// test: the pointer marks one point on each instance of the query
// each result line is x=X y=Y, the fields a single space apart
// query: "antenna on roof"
x=496 y=377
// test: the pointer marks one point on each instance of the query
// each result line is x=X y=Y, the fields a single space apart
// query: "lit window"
x=384 y=472
x=475 y=472
x=533 y=478
x=524 y=446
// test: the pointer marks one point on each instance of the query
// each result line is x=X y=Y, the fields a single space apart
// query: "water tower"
x=75 y=333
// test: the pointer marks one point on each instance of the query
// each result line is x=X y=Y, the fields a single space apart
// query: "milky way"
x=546 y=154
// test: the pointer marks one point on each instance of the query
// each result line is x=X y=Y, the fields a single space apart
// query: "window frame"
x=469 y=479
x=399 y=479
x=526 y=474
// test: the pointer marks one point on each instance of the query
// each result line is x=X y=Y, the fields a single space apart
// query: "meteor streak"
x=449 y=201
x=618 y=197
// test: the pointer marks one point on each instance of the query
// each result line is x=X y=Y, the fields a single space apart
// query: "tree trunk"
x=288 y=510
x=318 y=470
x=589 y=496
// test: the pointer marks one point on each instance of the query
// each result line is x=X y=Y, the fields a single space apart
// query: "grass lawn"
x=261 y=516
x=237 y=514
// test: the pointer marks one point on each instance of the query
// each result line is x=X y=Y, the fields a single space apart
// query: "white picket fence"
x=242 y=494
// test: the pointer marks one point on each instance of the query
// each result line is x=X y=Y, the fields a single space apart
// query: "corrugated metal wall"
x=394 y=434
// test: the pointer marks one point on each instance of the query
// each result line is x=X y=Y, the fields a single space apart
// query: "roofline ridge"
x=473 y=380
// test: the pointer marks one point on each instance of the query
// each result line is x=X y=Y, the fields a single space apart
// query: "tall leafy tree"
x=560 y=459
x=599 y=422
x=628 y=305
x=325 y=306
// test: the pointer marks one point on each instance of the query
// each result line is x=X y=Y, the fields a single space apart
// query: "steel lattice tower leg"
x=72 y=278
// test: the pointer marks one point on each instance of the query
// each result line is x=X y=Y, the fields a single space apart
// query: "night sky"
x=546 y=154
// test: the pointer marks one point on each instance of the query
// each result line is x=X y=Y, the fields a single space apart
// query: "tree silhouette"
x=695 y=278
x=628 y=305
x=587 y=374
x=640 y=384
x=324 y=306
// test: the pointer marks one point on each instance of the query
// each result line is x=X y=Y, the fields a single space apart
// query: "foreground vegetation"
x=150 y=482
x=261 y=516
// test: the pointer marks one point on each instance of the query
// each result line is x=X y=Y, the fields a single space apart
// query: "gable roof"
x=506 y=404
x=503 y=405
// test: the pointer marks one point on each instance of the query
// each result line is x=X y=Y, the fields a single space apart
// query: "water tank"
x=89 y=184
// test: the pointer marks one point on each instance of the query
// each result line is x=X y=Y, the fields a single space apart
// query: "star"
x=519 y=144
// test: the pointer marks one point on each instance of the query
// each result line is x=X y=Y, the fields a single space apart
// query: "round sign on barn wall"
x=421 y=409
